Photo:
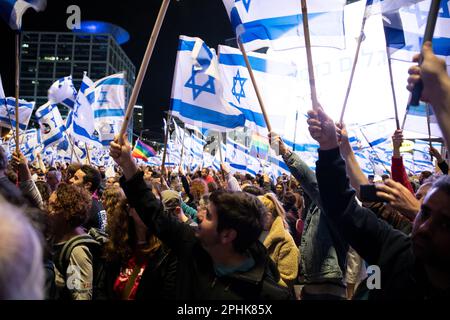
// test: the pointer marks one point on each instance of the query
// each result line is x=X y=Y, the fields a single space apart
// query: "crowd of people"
x=70 y=233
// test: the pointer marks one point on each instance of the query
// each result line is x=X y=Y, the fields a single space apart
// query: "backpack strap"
x=64 y=255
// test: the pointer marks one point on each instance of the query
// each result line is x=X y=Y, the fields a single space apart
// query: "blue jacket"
x=323 y=252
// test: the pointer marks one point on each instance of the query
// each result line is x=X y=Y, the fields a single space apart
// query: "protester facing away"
x=278 y=241
x=222 y=258
x=139 y=265
x=68 y=208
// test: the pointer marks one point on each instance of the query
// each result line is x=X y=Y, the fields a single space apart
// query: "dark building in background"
x=48 y=56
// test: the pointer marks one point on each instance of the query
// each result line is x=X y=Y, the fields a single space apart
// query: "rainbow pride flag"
x=259 y=147
x=143 y=151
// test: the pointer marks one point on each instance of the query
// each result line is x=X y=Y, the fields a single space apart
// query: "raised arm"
x=358 y=226
x=436 y=86
x=297 y=167
x=166 y=227
x=397 y=168
x=354 y=172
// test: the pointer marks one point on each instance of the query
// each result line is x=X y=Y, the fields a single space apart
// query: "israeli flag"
x=29 y=141
x=197 y=90
x=276 y=81
x=416 y=120
x=107 y=100
x=279 y=24
x=236 y=156
x=196 y=148
x=11 y=11
x=8 y=113
x=80 y=121
x=63 y=91
x=422 y=158
x=404 y=30
x=51 y=125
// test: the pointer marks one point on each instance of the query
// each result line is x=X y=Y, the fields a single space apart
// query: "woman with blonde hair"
x=139 y=265
x=278 y=241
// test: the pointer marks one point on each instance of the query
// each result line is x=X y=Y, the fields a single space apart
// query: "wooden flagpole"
x=391 y=77
x=312 y=80
x=17 y=89
x=143 y=68
x=166 y=138
x=255 y=85
x=355 y=61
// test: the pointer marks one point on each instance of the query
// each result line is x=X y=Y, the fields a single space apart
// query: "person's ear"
x=227 y=236
x=88 y=186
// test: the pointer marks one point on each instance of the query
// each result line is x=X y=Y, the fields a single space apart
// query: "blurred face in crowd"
x=53 y=179
x=78 y=179
x=207 y=227
x=110 y=182
x=204 y=173
x=422 y=191
x=279 y=189
x=431 y=231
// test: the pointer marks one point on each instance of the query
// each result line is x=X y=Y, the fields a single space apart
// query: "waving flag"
x=276 y=81
x=143 y=151
x=405 y=27
x=11 y=11
x=279 y=24
x=197 y=91
x=107 y=100
x=416 y=120
x=236 y=156
x=63 y=91
x=80 y=121
x=8 y=113
x=51 y=125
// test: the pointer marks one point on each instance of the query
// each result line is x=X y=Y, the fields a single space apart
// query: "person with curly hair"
x=139 y=265
x=68 y=208
x=278 y=241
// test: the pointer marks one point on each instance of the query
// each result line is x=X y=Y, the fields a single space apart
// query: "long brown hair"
x=122 y=235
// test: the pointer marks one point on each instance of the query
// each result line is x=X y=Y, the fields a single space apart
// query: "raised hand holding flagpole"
x=143 y=68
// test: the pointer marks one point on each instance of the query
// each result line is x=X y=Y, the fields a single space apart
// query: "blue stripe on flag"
x=108 y=113
x=111 y=81
x=185 y=45
x=197 y=113
x=238 y=166
x=13 y=123
x=258 y=64
x=252 y=116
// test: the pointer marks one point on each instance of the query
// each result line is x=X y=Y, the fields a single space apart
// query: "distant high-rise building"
x=48 y=56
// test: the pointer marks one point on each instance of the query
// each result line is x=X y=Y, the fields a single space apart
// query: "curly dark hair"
x=122 y=235
x=73 y=204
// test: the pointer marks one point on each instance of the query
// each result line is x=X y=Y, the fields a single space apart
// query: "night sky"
x=206 y=19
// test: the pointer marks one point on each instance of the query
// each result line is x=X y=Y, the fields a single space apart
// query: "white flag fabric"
x=197 y=90
x=11 y=11
x=276 y=81
x=279 y=24
x=8 y=112
x=51 y=125
x=107 y=99
x=63 y=91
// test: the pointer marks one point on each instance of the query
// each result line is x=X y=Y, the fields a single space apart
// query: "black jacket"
x=196 y=278
x=378 y=243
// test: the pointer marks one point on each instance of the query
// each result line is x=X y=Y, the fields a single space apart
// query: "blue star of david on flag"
x=246 y=4
x=238 y=79
x=103 y=100
x=197 y=89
